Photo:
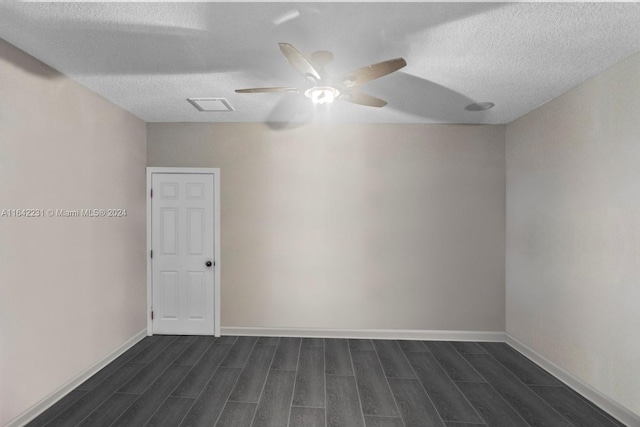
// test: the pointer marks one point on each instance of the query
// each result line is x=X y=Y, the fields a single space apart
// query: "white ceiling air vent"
x=211 y=104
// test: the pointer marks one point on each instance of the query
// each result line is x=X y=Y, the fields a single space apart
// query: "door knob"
x=208 y=263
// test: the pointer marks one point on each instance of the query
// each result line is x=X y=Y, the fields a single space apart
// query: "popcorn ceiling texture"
x=148 y=58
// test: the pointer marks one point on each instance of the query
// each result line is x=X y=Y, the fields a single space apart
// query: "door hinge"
x=151 y=314
x=151 y=192
x=151 y=254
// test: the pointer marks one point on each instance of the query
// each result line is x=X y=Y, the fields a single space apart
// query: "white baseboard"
x=63 y=390
x=613 y=408
x=393 y=334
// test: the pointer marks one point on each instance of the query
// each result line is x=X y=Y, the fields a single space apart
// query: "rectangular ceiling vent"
x=211 y=104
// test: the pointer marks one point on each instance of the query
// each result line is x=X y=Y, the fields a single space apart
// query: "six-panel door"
x=182 y=240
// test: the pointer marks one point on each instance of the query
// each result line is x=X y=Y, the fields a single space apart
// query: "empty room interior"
x=319 y=214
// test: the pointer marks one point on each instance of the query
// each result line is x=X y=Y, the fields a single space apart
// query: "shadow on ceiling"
x=169 y=38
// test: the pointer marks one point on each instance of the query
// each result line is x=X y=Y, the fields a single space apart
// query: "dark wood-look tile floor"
x=314 y=382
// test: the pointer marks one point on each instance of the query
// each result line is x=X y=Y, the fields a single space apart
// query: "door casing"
x=216 y=243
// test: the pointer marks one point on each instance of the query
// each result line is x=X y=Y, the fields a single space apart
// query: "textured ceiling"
x=149 y=57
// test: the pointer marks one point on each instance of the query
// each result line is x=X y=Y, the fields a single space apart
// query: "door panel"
x=195 y=228
x=169 y=295
x=169 y=229
x=182 y=238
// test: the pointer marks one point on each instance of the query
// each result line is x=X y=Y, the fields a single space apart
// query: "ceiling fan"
x=323 y=89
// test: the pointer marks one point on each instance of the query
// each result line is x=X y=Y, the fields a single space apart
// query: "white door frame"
x=216 y=242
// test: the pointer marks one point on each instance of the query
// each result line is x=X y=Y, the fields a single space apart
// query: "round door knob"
x=208 y=263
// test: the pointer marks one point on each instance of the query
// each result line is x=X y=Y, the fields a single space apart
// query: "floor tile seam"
x=361 y=349
x=154 y=380
x=324 y=360
x=227 y=400
x=230 y=389
x=138 y=352
x=424 y=344
x=235 y=383
x=530 y=389
x=125 y=361
x=95 y=408
x=463 y=359
x=314 y=346
x=587 y=401
x=417 y=378
x=201 y=356
x=246 y=361
x=399 y=378
x=113 y=423
x=177 y=397
x=266 y=377
x=63 y=409
x=224 y=336
x=162 y=350
x=240 y=401
x=355 y=381
x=613 y=421
x=384 y=371
x=213 y=372
x=268 y=345
x=535 y=365
x=470 y=382
x=101 y=382
x=102 y=403
x=295 y=377
x=309 y=407
x=338 y=375
x=189 y=372
x=515 y=410
x=471 y=424
x=385 y=416
x=463 y=353
x=144 y=365
x=125 y=392
x=145 y=390
x=386 y=380
x=193 y=401
x=553 y=386
x=458 y=388
x=229 y=347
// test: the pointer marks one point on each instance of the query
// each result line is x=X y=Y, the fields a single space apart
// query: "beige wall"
x=353 y=226
x=71 y=290
x=573 y=232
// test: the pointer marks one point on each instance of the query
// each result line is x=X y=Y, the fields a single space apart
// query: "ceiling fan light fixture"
x=346 y=90
x=322 y=94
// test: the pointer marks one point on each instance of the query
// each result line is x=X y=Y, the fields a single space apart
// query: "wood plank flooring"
x=314 y=382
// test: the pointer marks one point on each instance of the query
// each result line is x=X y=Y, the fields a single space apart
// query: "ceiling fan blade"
x=298 y=61
x=363 y=99
x=371 y=72
x=268 y=89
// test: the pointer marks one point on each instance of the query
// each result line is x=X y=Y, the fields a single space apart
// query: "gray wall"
x=354 y=226
x=72 y=290
x=573 y=232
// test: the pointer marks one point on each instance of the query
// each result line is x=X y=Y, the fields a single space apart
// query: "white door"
x=183 y=258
